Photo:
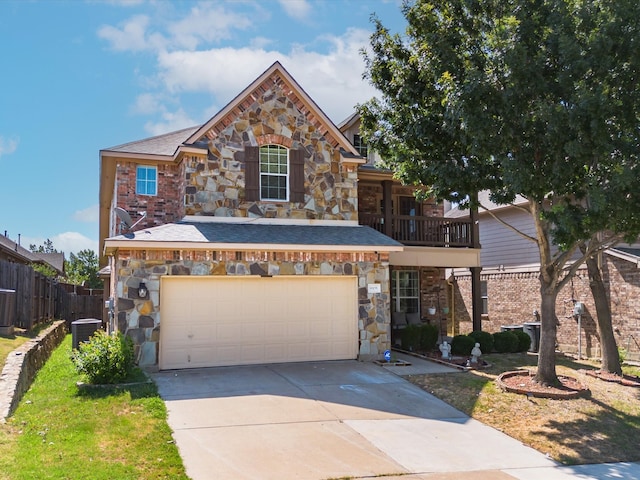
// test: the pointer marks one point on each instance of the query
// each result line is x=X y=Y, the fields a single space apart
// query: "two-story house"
x=266 y=237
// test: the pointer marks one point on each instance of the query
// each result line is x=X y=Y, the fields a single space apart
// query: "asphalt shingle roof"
x=161 y=145
x=249 y=233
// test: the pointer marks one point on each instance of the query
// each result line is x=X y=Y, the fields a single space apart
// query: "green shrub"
x=462 y=345
x=104 y=358
x=505 y=342
x=524 y=341
x=485 y=339
x=428 y=337
x=410 y=337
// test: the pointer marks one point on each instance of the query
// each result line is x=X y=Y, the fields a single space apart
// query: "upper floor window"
x=360 y=146
x=274 y=173
x=146 y=180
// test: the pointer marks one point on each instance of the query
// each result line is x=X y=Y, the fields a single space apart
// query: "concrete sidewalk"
x=326 y=420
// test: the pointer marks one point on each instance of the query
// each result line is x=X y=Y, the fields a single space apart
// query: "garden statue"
x=475 y=353
x=445 y=348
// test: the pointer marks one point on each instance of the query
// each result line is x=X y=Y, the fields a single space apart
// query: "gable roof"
x=275 y=74
x=485 y=201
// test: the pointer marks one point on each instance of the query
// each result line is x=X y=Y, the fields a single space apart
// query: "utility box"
x=510 y=328
x=533 y=330
x=7 y=311
x=81 y=330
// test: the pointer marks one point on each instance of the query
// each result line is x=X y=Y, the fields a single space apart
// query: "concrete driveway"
x=328 y=420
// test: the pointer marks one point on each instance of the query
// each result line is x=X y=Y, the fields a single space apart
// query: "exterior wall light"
x=142 y=290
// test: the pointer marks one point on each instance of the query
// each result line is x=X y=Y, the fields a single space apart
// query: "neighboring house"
x=511 y=287
x=267 y=238
x=13 y=252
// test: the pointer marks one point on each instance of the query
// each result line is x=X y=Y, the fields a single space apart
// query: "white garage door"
x=214 y=321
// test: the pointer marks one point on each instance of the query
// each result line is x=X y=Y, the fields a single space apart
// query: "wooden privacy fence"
x=38 y=298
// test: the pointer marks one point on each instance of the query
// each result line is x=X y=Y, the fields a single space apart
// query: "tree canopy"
x=536 y=98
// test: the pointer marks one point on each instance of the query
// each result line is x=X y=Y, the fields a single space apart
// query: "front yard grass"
x=599 y=429
x=61 y=432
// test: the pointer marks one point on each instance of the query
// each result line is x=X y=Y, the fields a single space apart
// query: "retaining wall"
x=23 y=363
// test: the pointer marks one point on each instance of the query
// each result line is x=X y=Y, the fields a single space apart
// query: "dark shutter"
x=251 y=174
x=296 y=159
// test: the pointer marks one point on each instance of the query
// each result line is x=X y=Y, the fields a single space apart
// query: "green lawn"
x=62 y=432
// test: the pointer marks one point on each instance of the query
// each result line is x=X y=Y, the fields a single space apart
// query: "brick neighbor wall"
x=512 y=298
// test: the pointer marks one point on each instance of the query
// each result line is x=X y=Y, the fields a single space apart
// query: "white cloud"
x=148 y=104
x=298 y=9
x=8 y=145
x=170 y=121
x=67 y=242
x=206 y=22
x=333 y=80
x=89 y=215
x=132 y=35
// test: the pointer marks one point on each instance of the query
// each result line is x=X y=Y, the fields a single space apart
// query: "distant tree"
x=47 y=247
x=536 y=98
x=82 y=269
x=44 y=269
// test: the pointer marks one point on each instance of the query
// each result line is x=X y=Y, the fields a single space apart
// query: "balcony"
x=422 y=231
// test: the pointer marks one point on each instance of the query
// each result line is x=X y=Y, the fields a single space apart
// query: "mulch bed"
x=626 y=380
x=523 y=382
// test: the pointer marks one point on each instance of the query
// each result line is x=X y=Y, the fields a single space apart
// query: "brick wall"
x=512 y=298
x=165 y=207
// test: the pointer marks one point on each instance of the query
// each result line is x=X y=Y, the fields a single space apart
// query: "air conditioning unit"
x=81 y=330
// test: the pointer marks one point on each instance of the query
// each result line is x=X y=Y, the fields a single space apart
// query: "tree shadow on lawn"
x=608 y=435
x=601 y=428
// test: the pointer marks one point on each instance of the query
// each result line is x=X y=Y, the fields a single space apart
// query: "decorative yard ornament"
x=445 y=349
x=475 y=353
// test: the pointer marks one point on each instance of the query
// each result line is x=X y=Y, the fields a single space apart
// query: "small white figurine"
x=445 y=348
x=475 y=353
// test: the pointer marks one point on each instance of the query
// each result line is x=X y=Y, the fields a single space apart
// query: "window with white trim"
x=405 y=288
x=146 y=180
x=274 y=173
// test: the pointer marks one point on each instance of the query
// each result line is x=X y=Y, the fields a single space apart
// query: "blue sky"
x=81 y=76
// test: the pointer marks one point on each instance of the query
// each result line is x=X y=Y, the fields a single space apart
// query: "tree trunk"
x=546 y=374
x=610 y=356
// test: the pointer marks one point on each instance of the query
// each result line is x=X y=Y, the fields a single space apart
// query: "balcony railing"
x=422 y=231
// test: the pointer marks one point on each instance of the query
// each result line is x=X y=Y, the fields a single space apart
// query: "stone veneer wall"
x=215 y=185
x=141 y=318
x=512 y=298
x=23 y=363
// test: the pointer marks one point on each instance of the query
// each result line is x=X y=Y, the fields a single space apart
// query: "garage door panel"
x=210 y=321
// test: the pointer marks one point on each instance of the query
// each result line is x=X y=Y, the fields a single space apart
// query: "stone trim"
x=22 y=365
x=274 y=139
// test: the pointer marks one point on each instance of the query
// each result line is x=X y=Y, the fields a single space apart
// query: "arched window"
x=274 y=173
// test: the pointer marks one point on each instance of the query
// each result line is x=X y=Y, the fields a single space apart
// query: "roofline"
x=268 y=221
x=313 y=106
x=112 y=246
x=629 y=257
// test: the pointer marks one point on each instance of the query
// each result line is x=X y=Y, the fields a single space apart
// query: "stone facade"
x=140 y=319
x=216 y=185
x=512 y=298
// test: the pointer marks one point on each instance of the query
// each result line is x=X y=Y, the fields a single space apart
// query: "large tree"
x=82 y=269
x=536 y=98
